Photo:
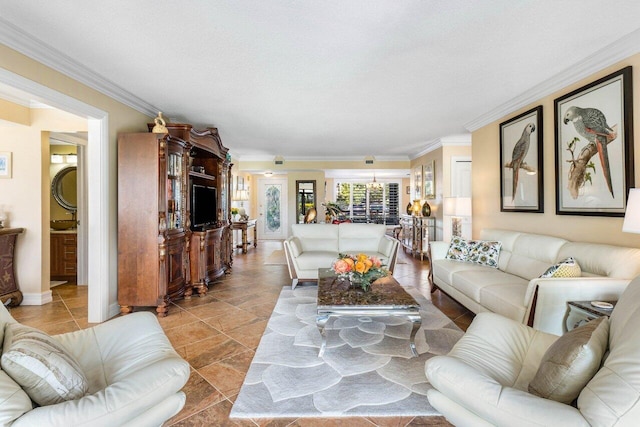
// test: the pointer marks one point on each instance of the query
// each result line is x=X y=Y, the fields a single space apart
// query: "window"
x=379 y=205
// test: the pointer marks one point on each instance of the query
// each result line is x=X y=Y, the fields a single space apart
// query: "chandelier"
x=374 y=185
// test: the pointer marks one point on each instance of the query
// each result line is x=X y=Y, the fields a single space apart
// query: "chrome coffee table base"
x=385 y=298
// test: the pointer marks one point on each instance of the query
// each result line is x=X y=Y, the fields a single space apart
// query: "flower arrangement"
x=361 y=269
x=234 y=211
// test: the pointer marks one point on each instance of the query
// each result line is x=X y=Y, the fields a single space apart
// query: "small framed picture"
x=428 y=175
x=594 y=147
x=521 y=188
x=408 y=189
x=5 y=164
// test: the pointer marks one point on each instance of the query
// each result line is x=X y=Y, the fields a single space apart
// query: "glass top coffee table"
x=385 y=298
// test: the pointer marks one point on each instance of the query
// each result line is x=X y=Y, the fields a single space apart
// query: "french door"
x=272 y=209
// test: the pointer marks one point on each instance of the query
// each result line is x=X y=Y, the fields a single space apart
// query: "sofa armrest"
x=439 y=249
x=118 y=403
x=546 y=299
x=389 y=248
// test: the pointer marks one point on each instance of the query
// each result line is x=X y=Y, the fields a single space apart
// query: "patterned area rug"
x=366 y=370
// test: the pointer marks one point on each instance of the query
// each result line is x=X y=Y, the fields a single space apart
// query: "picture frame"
x=429 y=180
x=416 y=175
x=408 y=189
x=593 y=178
x=521 y=163
x=5 y=164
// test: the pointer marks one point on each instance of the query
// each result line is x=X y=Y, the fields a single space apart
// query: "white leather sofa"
x=314 y=246
x=515 y=290
x=484 y=379
x=133 y=373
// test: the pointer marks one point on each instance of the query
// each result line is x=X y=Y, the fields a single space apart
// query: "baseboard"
x=37 y=299
x=114 y=310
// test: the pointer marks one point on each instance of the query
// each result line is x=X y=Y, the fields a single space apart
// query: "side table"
x=9 y=292
x=244 y=227
x=580 y=312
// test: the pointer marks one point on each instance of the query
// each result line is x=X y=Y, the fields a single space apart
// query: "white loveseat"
x=134 y=377
x=314 y=246
x=484 y=380
x=515 y=290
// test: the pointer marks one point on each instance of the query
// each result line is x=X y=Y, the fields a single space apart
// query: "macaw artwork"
x=521 y=162
x=591 y=124
x=520 y=151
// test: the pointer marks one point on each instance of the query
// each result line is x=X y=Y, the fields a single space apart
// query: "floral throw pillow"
x=479 y=252
x=565 y=268
x=458 y=249
x=485 y=253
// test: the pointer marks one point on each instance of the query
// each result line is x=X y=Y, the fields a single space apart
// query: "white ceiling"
x=323 y=79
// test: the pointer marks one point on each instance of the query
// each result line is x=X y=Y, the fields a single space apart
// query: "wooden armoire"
x=160 y=257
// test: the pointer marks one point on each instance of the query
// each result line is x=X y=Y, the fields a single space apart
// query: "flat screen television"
x=204 y=207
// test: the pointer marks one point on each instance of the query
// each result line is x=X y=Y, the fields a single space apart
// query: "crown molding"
x=22 y=42
x=448 y=141
x=269 y=158
x=609 y=55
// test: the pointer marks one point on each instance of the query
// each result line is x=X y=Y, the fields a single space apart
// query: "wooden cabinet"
x=152 y=211
x=64 y=256
x=416 y=232
x=162 y=256
x=9 y=292
x=208 y=166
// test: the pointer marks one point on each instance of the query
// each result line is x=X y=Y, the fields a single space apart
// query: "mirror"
x=305 y=200
x=64 y=188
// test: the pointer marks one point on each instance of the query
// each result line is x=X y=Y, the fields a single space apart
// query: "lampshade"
x=457 y=206
x=241 y=196
x=632 y=215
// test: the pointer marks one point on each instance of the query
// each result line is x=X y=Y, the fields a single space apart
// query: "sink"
x=62 y=224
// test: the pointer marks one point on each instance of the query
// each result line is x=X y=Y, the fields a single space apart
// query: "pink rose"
x=376 y=262
x=341 y=266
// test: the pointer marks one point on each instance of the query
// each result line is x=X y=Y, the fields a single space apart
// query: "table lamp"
x=631 y=222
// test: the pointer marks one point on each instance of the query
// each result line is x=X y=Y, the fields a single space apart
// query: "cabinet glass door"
x=175 y=202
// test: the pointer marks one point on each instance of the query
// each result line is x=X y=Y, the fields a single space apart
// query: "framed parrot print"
x=594 y=147
x=521 y=186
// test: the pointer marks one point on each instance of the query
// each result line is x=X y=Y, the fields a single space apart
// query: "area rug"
x=366 y=370
x=277 y=257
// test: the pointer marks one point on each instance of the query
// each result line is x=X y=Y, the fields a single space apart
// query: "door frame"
x=101 y=282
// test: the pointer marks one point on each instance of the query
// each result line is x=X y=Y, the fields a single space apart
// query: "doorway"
x=272 y=209
x=102 y=283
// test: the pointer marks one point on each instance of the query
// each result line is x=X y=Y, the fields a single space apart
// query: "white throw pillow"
x=565 y=268
x=41 y=365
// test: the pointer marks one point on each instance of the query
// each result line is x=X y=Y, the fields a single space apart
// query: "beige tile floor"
x=218 y=334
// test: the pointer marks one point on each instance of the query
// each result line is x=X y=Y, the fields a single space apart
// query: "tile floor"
x=218 y=333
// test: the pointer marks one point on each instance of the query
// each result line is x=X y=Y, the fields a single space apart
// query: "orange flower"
x=361 y=267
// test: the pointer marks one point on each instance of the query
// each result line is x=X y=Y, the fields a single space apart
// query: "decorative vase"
x=426 y=209
x=360 y=282
x=409 y=209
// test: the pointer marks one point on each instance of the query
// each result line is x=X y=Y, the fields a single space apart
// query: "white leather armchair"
x=483 y=381
x=134 y=377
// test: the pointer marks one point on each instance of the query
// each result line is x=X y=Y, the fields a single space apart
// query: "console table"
x=244 y=227
x=9 y=291
x=415 y=233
